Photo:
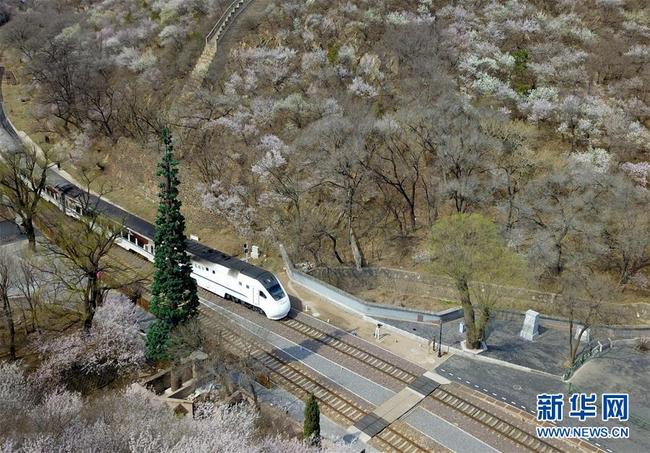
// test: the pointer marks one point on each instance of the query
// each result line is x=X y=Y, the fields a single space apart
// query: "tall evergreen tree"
x=174 y=298
x=311 y=428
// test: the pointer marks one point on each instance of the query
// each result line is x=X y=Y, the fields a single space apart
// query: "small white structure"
x=586 y=336
x=530 y=329
x=461 y=327
x=255 y=252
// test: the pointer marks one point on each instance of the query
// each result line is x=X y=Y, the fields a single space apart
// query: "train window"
x=213 y=271
x=262 y=295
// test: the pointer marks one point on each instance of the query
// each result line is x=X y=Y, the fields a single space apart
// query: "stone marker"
x=530 y=329
x=255 y=252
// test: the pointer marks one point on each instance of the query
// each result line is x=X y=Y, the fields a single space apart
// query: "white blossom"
x=360 y=88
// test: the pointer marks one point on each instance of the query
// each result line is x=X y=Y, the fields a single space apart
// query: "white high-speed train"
x=213 y=270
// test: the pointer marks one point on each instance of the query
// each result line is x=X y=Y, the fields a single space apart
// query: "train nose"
x=281 y=310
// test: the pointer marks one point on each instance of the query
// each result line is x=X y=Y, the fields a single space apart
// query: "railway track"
x=302 y=384
x=446 y=397
x=349 y=412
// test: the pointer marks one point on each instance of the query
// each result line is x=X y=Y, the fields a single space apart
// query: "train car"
x=213 y=270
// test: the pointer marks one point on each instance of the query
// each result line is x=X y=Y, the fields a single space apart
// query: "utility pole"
x=440 y=340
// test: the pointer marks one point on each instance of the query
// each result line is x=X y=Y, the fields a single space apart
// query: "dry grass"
x=389 y=296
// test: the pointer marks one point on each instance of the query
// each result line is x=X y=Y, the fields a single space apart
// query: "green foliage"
x=520 y=82
x=157 y=341
x=469 y=247
x=311 y=429
x=174 y=298
x=333 y=54
x=521 y=60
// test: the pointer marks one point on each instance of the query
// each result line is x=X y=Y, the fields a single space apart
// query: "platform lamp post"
x=440 y=340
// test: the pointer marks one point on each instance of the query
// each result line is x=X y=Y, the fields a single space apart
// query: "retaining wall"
x=439 y=287
x=360 y=306
x=4 y=121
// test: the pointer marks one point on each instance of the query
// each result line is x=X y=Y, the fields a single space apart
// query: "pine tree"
x=157 y=341
x=174 y=298
x=311 y=429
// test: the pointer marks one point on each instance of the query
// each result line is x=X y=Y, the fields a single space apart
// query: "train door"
x=253 y=295
x=260 y=297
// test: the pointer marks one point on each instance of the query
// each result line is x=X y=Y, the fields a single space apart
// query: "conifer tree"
x=173 y=292
x=311 y=429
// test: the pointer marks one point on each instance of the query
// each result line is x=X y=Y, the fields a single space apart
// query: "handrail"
x=225 y=19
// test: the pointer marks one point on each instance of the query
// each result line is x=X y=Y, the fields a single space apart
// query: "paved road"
x=520 y=389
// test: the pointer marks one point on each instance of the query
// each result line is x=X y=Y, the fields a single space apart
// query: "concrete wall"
x=5 y=124
x=357 y=305
x=439 y=287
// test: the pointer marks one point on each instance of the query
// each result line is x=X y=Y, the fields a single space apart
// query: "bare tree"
x=23 y=176
x=626 y=228
x=7 y=286
x=396 y=165
x=80 y=252
x=583 y=298
x=554 y=212
x=514 y=163
x=341 y=145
